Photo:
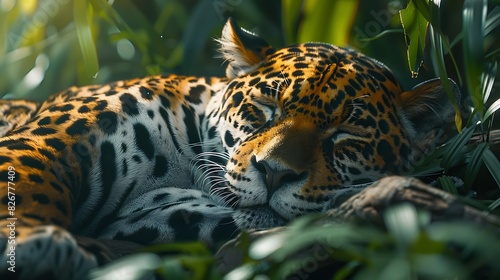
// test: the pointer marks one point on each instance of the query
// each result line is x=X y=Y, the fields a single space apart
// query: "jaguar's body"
x=169 y=158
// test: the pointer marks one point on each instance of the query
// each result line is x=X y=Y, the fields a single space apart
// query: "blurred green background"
x=46 y=46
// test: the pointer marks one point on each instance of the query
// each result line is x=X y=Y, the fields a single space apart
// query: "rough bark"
x=370 y=204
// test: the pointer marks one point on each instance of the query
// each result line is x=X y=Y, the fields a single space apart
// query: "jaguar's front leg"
x=43 y=252
x=171 y=215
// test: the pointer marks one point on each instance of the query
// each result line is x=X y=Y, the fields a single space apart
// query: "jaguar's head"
x=301 y=123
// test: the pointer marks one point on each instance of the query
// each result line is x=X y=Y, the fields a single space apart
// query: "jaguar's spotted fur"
x=169 y=158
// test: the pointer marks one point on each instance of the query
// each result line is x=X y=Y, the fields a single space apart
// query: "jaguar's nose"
x=275 y=176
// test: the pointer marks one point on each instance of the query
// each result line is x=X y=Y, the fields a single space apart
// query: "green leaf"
x=453 y=150
x=4 y=31
x=296 y=242
x=493 y=165
x=454 y=61
x=492 y=109
x=267 y=245
x=484 y=242
x=475 y=162
x=172 y=268
x=438 y=266
x=431 y=164
x=198 y=266
x=138 y=266
x=243 y=272
x=291 y=16
x=427 y=168
x=415 y=28
x=347 y=271
x=402 y=223
x=423 y=8
x=289 y=266
x=330 y=235
x=447 y=184
x=327 y=21
x=488 y=79
x=381 y=34
x=474 y=16
x=487 y=83
x=494 y=204
x=437 y=55
x=82 y=12
x=492 y=21
x=492 y=54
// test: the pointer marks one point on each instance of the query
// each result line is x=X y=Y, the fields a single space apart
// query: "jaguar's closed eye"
x=268 y=109
x=267 y=116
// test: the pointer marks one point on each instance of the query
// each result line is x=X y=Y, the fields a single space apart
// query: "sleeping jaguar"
x=171 y=158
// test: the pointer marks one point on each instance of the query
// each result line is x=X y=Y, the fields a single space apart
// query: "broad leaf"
x=415 y=29
x=487 y=83
x=447 y=184
x=494 y=204
x=453 y=150
x=492 y=109
x=474 y=16
x=290 y=10
x=493 y=165
x=83 y=16
x=475 y=163
x=492 y=21
x=437 y=55
x=326 y=21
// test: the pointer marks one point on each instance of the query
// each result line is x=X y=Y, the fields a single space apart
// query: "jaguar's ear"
x=243 y=50
x=428 y=112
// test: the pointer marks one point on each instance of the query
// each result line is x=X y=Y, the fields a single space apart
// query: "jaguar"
x=172 y=158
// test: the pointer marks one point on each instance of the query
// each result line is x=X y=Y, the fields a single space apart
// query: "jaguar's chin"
x=261 y=217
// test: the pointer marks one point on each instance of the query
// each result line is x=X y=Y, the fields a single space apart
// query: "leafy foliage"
x=304 y=22
x=409 y=248
x=479 y=68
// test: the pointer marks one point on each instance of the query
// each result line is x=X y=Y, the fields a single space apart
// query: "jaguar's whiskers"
x=207 y=170
x=223 y=194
